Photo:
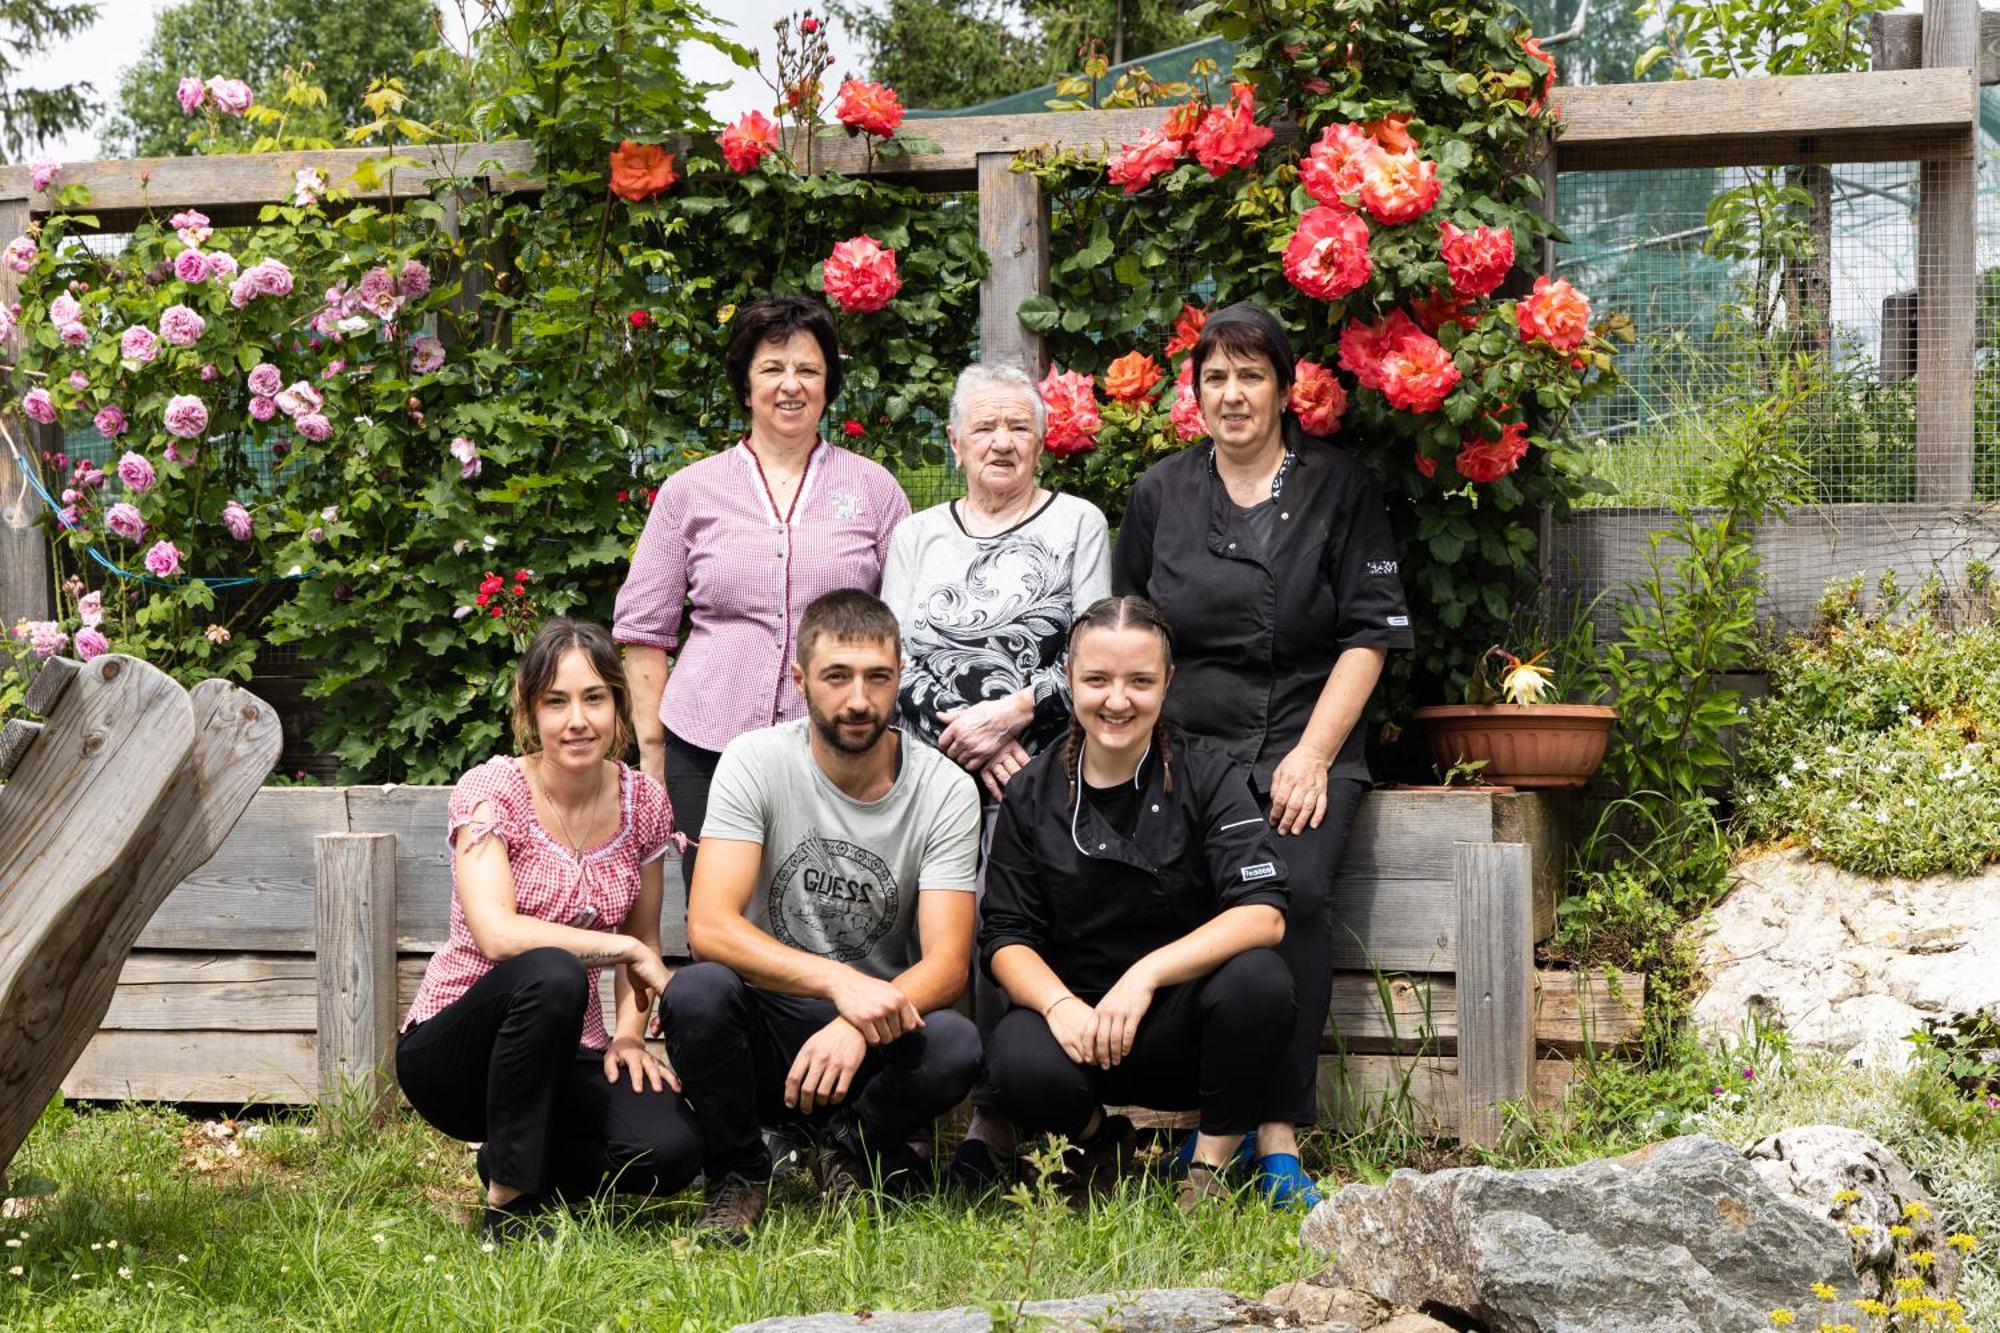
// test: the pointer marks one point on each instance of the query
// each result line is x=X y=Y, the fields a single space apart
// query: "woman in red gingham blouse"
x=556 y=872
x=746 y=539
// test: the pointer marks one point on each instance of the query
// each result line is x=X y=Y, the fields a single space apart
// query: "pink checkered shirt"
x=595 y=890
x=714 y=540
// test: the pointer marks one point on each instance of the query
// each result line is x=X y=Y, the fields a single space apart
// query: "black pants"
x=501 y=1065
x=733 y=1044
x=689 y=771
x=989 y=999
x=1313 y=860
x=1211 y=1043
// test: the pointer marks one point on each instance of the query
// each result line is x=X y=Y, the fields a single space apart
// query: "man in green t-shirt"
x=832 y=909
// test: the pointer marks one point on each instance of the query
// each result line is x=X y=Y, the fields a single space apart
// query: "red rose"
x=872 y=107
x=1396 y=187
x=638 y=319
x=1332 y=169
x=1327 y=256
x=1317 y=397
x=1132 y=377
x=853 y=429
x=499 y=611
x=1136 y=165
x=1427 y=466
x=1182 y=122
x=861 y=276
x=1188 y=421
x=1187 y=328
x=808 y=25
x=1438 y=309
x=1556 y=313
x=745 y=143
x=623 y=496
x=1400 y=361
x=1073 y=418
x=641 y=170
x=1229 y=136
x=1478 y=260
x=1481 y=459
x=522 y=576
x=1533 y=46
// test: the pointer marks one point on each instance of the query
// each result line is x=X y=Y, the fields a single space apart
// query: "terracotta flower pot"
x=1532 y=745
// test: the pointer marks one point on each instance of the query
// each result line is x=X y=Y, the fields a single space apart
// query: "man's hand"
x=879 y=1011
x=825 y=1066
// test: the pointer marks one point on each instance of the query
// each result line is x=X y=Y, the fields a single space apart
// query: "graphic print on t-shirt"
x=832 y=898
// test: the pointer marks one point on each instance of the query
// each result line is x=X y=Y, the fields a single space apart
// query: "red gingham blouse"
x=594 y=891
x=714 y=542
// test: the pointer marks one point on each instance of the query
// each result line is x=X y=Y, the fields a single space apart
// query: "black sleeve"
x=1132 y=557
x=1363 y=570
x=1242 y=852
x=1013 y=909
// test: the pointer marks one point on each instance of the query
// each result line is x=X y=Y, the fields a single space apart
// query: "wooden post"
x=1496 y=983
x=355 y=939
x=1947 y=277
x=1014 y=231
x=25 y=588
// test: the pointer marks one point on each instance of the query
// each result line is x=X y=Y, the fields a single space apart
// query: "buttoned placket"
x=1223 y=516
x=781 y=528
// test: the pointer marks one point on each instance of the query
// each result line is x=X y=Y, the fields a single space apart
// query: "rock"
x=1810 y=1165
x=1680 y=1237
x=1412 y=1323
x=1179 y=1310
x=1846 y=963
x=1317 y=1304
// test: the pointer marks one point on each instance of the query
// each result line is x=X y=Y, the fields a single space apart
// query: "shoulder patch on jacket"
x=1262 y=870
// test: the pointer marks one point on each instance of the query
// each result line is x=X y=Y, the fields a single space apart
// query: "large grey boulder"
x=1815 y=1166
x=1185 y=1310
x=1679 y=1237
x=1845 y=963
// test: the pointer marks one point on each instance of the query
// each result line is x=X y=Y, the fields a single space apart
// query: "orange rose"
x=872 y=107
x=1392 y=132
x=1187 y=328
x=1132 y=377
x=641 y=170
x=1557 y=314
x=1396 y=187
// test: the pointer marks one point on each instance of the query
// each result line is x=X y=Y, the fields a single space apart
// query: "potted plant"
x=1522 y=741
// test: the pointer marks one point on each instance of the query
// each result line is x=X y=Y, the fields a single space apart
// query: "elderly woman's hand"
x=1002 y=767
x=1298 y=791
x=974 y=735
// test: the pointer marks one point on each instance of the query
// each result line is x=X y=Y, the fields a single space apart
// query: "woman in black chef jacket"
x=1269 y=552
x=1133 y=896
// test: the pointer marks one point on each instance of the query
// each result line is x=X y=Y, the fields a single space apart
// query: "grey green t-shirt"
x=840 y=877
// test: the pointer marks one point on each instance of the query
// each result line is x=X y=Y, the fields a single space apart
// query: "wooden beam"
x=1947 y=270
x=1574 y=1012
x=356 y=946
x=25 y=571
x=1014 y=232
x=234 y=1068
x=1496 y=978
x=1896 y=41
x=1869 y=117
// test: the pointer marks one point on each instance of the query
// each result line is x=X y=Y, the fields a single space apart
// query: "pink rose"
x=467 y=454
x=73 y=335
x=413 y=281
x=221 y=265
x=110 y=421
x=232 y=96
x=1137 y=165
x=313 y=426
x=88 y=474
x=1327 y=256
x=138 y=346
x=163 y=561
x=20 y=254
x=91 y=643
x=1187 y=419
x=1317 y=398
x=263 y=407
x=90 y=609
x=273 y=278
x=375 y=285
x=192 y=227
x=180 y=326
x=333 y=368
x=1556 y=313
x=174 y=455
x=136 y=473
x=1229 y=136
x=1396 y=187
x=1478 y=260
x=191 y=94
x=872 y=107
x=65 y=309
x=7 y=322
x=1332 y=169
x=44 y=636
x=79 y=381
x=186 y=416
x=39 y=406
x=1073 y=418
x=1481 y=459
x=745 y=143
x=209 y=374
x=237 y=520
x=426 y=356
x=861 y=276
x=264 y=379
x=299 y=397
x=191 y=266
x=123 y=518
x=307 y=186
x=42 y=172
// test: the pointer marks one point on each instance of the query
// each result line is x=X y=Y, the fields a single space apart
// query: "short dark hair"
x=775 y=319
x=1245 y=329
x=848 y=614
x=536 y=675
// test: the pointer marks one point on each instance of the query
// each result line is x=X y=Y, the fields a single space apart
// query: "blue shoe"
x=1246 y=1152
x=1283 y=1181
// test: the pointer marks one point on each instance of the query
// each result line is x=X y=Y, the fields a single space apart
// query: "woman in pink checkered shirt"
x=746 y=539
x=555 y=875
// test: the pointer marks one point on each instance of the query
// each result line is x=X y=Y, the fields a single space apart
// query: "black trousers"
x=1211 y=1043
x=1313 y=860
x=501 y=1065
x=733 y=1044
x=989 y=999
x=689 y=771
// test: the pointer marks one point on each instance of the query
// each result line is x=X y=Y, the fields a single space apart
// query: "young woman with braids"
x=1133 y=899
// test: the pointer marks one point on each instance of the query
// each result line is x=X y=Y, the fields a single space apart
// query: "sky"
x=123 y=26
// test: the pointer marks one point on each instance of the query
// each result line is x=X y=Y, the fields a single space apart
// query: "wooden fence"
x=281 y=969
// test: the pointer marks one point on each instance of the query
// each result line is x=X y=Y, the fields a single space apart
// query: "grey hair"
x=979 y=376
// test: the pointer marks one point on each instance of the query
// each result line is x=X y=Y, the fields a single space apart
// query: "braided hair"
x=1119 y=613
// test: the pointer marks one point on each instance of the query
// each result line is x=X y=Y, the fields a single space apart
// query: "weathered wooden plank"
x=1014 y=232
x=15 y=738
x=1947 y=271
x=1540 y=821
x=231 y=1067
x=1600 y=549
x=1496 y=1033
x=256 y=893
x=417 y=816
x=1896 y=116
x=25 y=589
x=1422 y=1094
x=52 y=680
x=356 y=947
x=173 y=991
x=1896 y=41
x=1401 y=1012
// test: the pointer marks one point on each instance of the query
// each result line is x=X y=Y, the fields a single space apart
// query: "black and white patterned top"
x=983 y=617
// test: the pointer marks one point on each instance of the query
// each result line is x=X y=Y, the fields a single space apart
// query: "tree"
x=29 y=116
x=348 y=43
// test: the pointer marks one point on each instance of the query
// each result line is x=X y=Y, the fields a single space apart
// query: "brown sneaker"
x=730 y=1208
x=1093 y=1166
x=839 y=1171
x=1201 y=1186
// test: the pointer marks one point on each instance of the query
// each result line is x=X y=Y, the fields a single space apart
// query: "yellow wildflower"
x=1900 y=1232
x=1872 y=1308
x=1916 y=1212
x=1848 y=1196
x=1781 y=1317
x=1962 y=1242
x=1823 y=1291
x=1921 y=1260
x=1858 y=1229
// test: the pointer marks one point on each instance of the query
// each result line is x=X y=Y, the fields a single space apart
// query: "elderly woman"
x=1269 y=553
x=985 y=588
x=747 y=539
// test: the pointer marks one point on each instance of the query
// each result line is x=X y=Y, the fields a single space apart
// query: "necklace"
x=784 y=519
x=570 y=841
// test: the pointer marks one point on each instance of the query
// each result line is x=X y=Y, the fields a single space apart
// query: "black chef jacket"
x=1257 y=626
x=1092 y=901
